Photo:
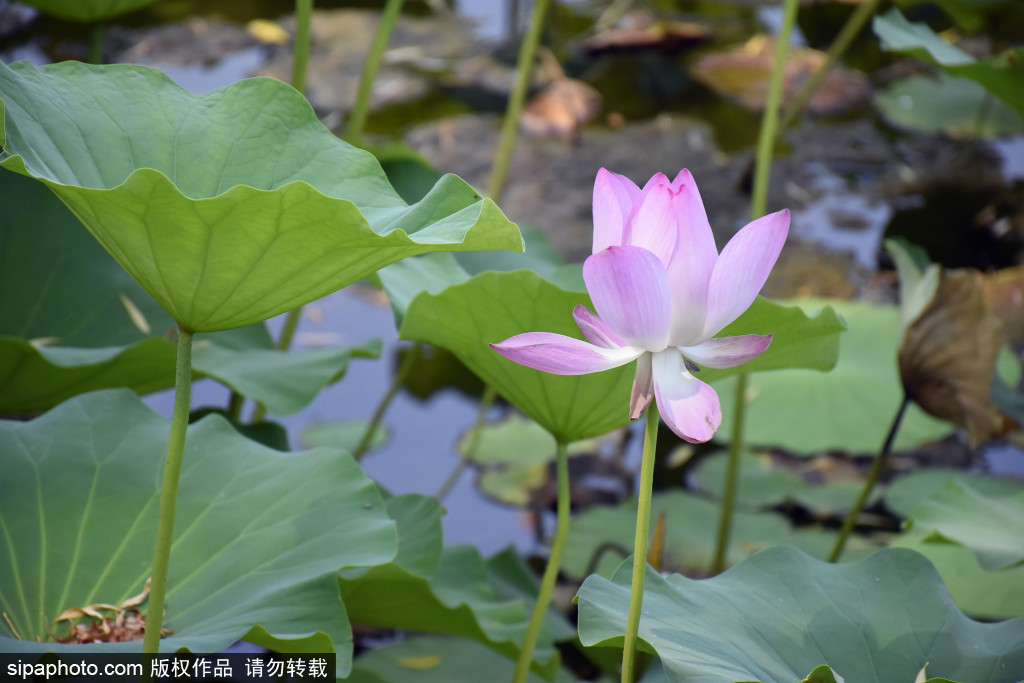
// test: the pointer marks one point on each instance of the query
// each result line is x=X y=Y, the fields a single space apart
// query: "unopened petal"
x=561 y=355
x=652 y=225
x=613 y=201
x=742 y=269
x=727 y=352
x=629 y=288
x=643 y=388
x=692 y=263
x=595 y=329
x=689 y=407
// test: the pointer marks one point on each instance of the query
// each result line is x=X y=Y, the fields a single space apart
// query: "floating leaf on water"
x=948 y=356
x=743 y=74
x=640 y=30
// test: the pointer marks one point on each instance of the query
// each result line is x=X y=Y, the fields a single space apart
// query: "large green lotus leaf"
x=283 y=381
x=440 y=590
x=36 y=379
x=781 y=614
x=848 y=409
x=1001 y=75
x=977 y=591
x=87 y=10
x=761 y=484
x=493 y=306
x=259 y=535
x=601 y=537
x=438 y=659
x=228 y=207
x=906 y=492
x=992 y=527
x=948 y=104
x=56 y=282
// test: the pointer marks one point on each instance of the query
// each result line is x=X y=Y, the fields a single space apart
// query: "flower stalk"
x=169 y=492
x=361 y=108
x=547 y=583
x=303 y=22
x=643 y=527
x=869 y=485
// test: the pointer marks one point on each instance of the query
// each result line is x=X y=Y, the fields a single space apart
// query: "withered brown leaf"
x=948 y=356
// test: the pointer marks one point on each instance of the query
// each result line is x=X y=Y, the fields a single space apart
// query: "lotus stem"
x=357 y=119
x=547 y=583
x=486 y=401
x=235 y=404
x=300 y=57
x=770 y=121
x=404 y=368
x=839 y=46
x=510 y=127
x=865 y=492
x=169 y=492
x=759 y=201
x=643 y=530
x=96 y=34
x=731 y=476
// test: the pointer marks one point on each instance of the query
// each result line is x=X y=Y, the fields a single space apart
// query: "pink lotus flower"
x=662 y=292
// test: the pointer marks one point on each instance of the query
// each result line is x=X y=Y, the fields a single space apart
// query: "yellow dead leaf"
x=268 y=32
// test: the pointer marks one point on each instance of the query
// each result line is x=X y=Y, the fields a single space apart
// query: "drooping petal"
x=689 y=407
x=629 y=288
x=689 y=271
x=595 y=329
x=652 y=224
x=643 y=388
x=561 y=355
x=613 y=201
x=742 y=269
x=727 y=352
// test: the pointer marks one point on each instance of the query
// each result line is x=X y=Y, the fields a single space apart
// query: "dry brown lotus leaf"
x=640 y=30
x=743 y=74
x=561 y=109
x=106 y=623
x=1004 y=294
x=948 y=356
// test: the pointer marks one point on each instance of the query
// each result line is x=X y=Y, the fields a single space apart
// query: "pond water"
x=840 y=192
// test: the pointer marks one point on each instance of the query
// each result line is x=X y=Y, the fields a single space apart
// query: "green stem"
x=96 y=33
x=510 y=127
x=486 y=401
x=865 y=492
x=169 y=492
x=731 y=477
x=547 y=583
x=235 y=404
x=357 y=119
x=300 y=58
x=842 y=41
x=643 y=530
x=769 y=123
x=404 y=368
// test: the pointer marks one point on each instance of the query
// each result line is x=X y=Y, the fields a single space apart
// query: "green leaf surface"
x=905 y=493
x=259 y=534
x=850 y=408
x=87 y=10
x=438 y=659
x=430 y=589
x=343 y=434
x=283 y=381
x=992 y=527
x=981 y=593
x=56 y=282
x=228 y=207
x=494 y=306
x=762 y=484
x=600 y=538
x=947 y=104
x=781 y=614
x=1002 y=75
